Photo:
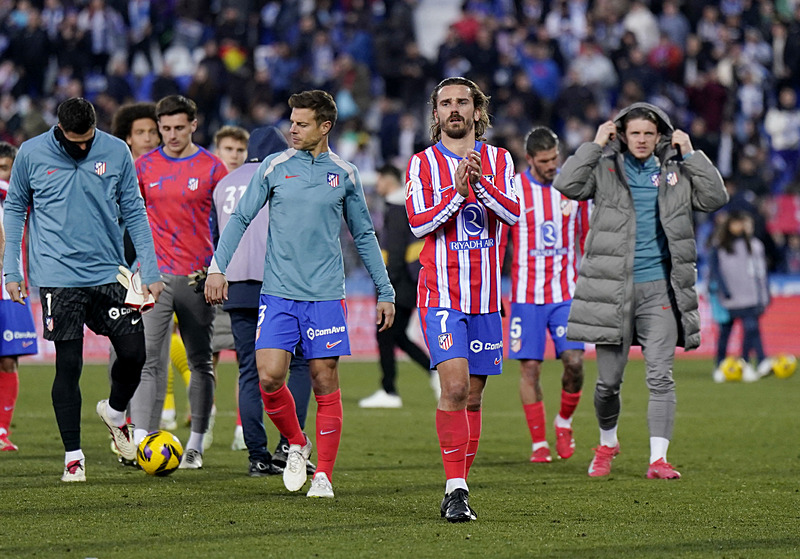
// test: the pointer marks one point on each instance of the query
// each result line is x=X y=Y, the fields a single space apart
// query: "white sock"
x=117 y=417
x=563 y=423
x=139 y=435
x=608 y=437
x=168 y=414
x=658 y=448
x=195 y=441
x=238 y=431
x=73 y=455
x=455 y=483
x=537 y=446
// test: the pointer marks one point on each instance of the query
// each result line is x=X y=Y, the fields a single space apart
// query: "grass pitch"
x=735 y=444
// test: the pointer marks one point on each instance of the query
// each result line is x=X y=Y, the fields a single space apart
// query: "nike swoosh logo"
x=497 y=361
x=27 y=344
x=330 y=345
x=8 y=408
x=273 y=412
x=327 y=432
x=663 y=308
x=152 y=184
x=450 y=451
x=135 y=320
x=291 y=176
x=50 y=172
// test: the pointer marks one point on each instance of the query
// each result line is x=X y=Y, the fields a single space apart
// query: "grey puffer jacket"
x=602 y=304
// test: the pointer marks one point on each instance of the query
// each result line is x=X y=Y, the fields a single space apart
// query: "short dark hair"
x=76 y=115
x=479 y=99
x=539 y=139
x=321 y=102
x=391 y=171
x=126 y=115
x=641 y=113
x=175 y=105
x=235 y=132
x=7 y=150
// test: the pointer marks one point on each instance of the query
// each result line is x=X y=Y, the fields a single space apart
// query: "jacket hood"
x=664 y=149
x=265 y=141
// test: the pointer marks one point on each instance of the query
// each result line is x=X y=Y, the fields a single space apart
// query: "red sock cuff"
x=535 y=417
x=331 y=399
x=568 y=403
x=280 y=408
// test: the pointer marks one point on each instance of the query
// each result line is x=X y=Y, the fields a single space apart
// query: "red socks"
x=329 y=430
x=534 y=415
x=453 y=430
x=474 y=420
x=568 y=403
x=279 y=406
x=9 y=390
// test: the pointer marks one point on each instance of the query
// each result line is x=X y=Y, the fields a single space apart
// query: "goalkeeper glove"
x=198 y=279
x=133 y=283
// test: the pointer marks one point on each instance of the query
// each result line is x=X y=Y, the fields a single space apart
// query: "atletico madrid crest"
x=100 y=167
x=193 y=184
x=445 y=341
x=672 y=178
x=333 y=180
x=48 y=322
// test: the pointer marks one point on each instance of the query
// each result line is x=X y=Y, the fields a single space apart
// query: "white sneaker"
x=208 y=438
x=294 y=474
x=238 y=439
x=381 y=399
x=123 y=436
x=320 y=486
x=74 y=471
x=749 y=374
x=192 y=460
x=169 y=420
x=718 y=375
x=436 y=385
x=765 y=367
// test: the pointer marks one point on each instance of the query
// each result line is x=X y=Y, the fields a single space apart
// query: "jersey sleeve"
x=356 y=214
x=253 y=199
x=16 y=211
x=495 y=189
x=425 y=215
x=131 y=205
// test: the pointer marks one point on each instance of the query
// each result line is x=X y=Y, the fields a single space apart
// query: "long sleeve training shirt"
x=74 y=231
x=307 y=199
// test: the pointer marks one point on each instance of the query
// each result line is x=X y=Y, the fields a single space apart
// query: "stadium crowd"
x=726 y=71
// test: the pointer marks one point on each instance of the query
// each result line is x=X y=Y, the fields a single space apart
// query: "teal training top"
x=73 y=227
x=307 y=199
x=651 y=256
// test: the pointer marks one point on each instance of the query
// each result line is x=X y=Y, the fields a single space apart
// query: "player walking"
x=76 y=181
x=543 y=274
x=177 y=181
x=309 y=189
x=460 y=194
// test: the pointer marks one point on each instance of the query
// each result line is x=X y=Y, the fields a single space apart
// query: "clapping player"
x=460 y=196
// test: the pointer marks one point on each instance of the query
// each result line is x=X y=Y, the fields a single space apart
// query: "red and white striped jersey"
x=544 y=265
x=460 y=257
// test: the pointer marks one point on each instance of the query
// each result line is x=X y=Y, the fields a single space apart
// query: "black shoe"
x=129 y=463
x=455 y=506
x=261 y=469
x=279 y=456
x=279 y=459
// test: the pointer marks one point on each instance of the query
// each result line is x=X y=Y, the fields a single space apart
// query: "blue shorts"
x=18 y=329
x=476 y=337
x=528 y=326
x=319 y=326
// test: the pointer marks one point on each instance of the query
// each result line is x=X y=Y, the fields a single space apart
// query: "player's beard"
x=458 y=133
